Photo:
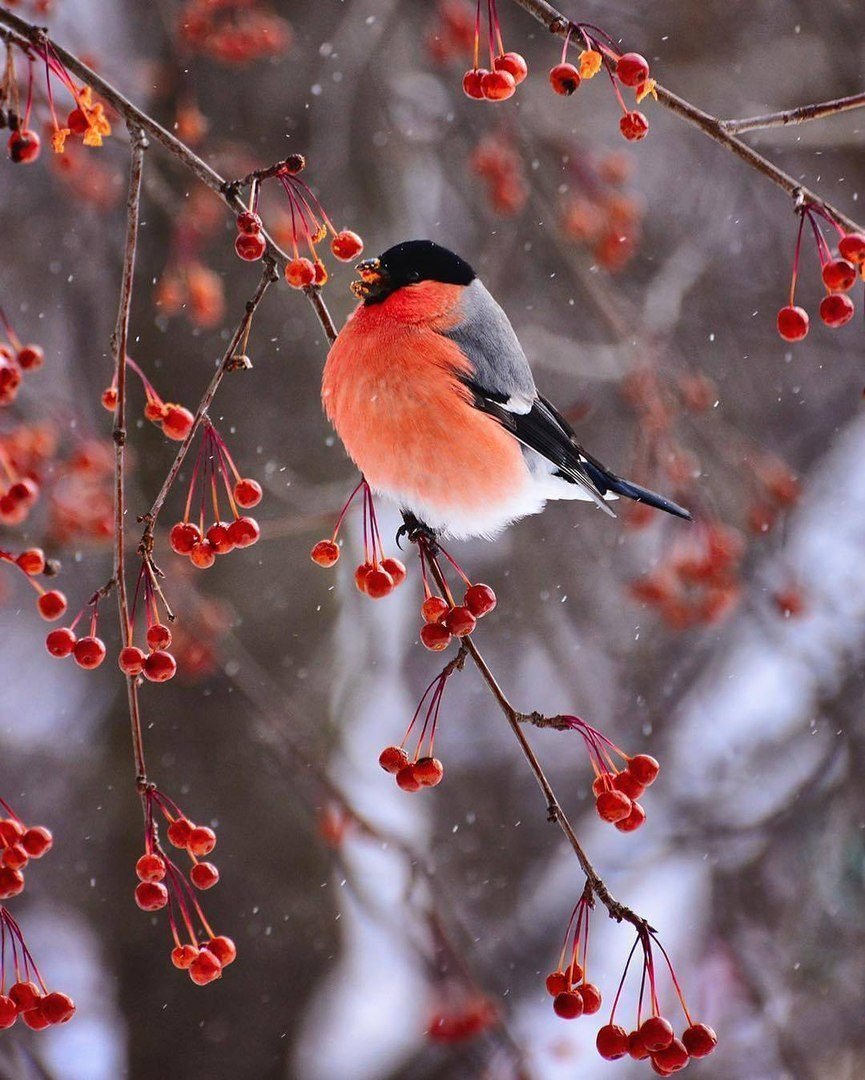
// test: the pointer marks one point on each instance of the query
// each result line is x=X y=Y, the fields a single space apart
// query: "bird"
x=433 y=398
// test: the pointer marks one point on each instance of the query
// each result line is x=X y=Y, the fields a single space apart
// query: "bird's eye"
x=413 y=276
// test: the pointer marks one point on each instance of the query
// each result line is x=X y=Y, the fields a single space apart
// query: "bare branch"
x=800 y=115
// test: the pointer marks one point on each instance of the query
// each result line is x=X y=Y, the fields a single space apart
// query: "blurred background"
x=643 y=282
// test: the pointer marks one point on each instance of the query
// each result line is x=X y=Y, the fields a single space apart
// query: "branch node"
x=119 y=436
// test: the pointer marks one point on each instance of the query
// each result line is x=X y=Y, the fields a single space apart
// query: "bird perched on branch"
x=434 y=400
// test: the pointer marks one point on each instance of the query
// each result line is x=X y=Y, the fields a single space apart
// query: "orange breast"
x=391 y=390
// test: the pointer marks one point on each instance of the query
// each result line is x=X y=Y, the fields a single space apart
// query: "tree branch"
x=800 y=115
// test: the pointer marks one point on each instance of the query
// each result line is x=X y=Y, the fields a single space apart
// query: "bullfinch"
x=433 y=398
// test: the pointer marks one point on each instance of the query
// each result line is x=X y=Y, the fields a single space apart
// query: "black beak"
x=374 y=280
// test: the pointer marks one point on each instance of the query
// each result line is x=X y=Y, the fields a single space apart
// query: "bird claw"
x=414 y=530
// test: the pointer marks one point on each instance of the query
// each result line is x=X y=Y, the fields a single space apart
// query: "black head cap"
x=423 y=260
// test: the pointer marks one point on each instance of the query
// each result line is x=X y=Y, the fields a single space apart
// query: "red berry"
x=673 y=1057
x=11 y=882
x=325 y=553
x=177 y=422
x=202 y=841
x=8 y=1012
x=836 y=309
x=513 y=64
x=378 y=583
x=60 y=642
x=628 y=784
x=183 y=537
x=155 y=410
x=300 y=273
x=557 y=982
x=183 y=955
x=564 y=79
x=644 y=768
x=568 y=1005
x=179 y=832
x=160 y=666
x=202 y=555
x=204 y=875
x=51 y=604
x=612 y=1042
x=35 y=1019
x=407 y=780
x=15 y=857
x=360 y=576
x=434 y=609
x=223 y=948
x=793 y=323
x=24 y=491
x=150 y=867
x=460 y=621
x=247 y=493
x=656 y=1033
x=396 y=569
x=613 y=806
x=700 y=1040
x=11 y=831
x=633 y=821
x=220 y=538
x=151 y=895
x=634 y=126
x=346 y=245
x=250 y=246
x=25 y=995
x=36 y=841
x=435 y=636
x=248 y=222
x=30 y=357
x=635 y=1047
x=632 y=69
x=852 y=248
x=480 y=600
x=244 y=531
x=428 y=771
x=393 y=758
x=32 y=561
x=205 y=967
x=839 y=275
x=592 y=999
x=89 y=652
x=24 y=146
x=498 y=85
x=473 y=83
x=158 y=636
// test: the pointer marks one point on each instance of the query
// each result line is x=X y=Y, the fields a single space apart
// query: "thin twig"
x=710 y=125
x=800 y=115
x=119 y=340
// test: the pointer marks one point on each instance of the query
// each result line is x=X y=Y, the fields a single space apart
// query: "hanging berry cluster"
x=628 y=70
x=23 y=993
x=19 y=843
x=573 y=995
x=15 y=359
x=653 y=1038
x=161 y=884
x=496 y=160
x=50 y=603
x=507 y=70
x=87 y=651
x=156 y=664
x=445 y=619
x=175 y=421
x=187 y=284
x=378 y=575
x=310 y=225
x=839 y=272
x=233 y=31
x=23 y=451
x=87 y=118
x=616 y=790
x=215 y=466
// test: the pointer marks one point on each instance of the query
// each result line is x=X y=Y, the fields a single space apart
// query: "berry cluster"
x=653 y=1038
x=15 y=359
x=188 y=286
x=452 y=34
x=88 y=651
x=629 y=70
x=161 y=884
x=507 y=70
x=82 y=496
x=24 y=452
x=27 y=998
x=157 y=664
x=471 y=1015
x=573 y=995
x=19 y=843
x=174 y=420
x=50 y=603
x=597 y=213
x=616 y=790
x=443 y=618
x=497 y=162
x=378 y=575
x=839 y=273
x=232 y=31
x=214 y=465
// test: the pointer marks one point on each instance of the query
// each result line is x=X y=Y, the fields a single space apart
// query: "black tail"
x=607 y=481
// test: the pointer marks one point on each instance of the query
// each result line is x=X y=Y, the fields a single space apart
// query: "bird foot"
x=414 y=530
